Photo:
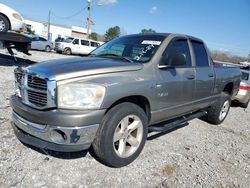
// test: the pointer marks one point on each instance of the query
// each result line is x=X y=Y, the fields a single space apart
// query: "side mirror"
x=175 y=59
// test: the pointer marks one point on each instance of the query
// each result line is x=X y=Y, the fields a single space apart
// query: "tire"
x=245 y=105
x=47 y=49
x=113 y=145
x=218 y=112
x=67 y=51
x=4 y=24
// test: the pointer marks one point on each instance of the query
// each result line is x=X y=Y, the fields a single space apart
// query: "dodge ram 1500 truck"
x=111 y=99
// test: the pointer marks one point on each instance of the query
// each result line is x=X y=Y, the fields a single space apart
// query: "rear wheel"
x=121 y=136
x=218 y=112
x=4 y=24
x=67 y=51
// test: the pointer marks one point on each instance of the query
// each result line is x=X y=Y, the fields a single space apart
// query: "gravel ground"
x=196 y=155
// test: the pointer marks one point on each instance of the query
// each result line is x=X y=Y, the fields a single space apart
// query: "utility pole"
x=49 y=25
x=89 y=17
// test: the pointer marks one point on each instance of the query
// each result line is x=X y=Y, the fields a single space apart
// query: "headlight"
x=80 y=96
x=17 y=16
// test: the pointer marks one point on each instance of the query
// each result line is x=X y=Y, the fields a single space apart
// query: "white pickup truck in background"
x=72 y=45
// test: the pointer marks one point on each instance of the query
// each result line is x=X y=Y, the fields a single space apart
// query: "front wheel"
x=67 y=51
x=121 y=136
x=47 y=49
x=4 y=24
x=218 y=112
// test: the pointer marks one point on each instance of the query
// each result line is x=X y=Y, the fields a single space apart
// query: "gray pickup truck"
x=110 y=100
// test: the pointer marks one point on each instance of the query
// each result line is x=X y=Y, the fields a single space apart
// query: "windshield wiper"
x=114 y=55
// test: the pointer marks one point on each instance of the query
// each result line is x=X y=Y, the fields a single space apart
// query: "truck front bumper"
x=64 y=131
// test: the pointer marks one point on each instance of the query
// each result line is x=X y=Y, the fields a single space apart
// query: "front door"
x=175 y=90
x=76 y=46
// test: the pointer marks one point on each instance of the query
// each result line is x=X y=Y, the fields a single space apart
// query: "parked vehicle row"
x=12 y=20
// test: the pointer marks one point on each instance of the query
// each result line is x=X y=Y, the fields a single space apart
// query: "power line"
x=71 y=16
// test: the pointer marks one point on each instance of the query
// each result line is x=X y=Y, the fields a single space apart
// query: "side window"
x=200 y=53
x=179 y=46
x=42 y=39
x=76 y=41
x=94 y=44
x=244 y=76
x=35 y=39
x=84 y=42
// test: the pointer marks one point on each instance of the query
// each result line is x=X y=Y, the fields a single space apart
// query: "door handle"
x=210 y=75
x=190 y=77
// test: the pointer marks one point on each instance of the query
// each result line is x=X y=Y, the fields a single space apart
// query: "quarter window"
x=200 y=53
x=42 y=39
x=94 y=44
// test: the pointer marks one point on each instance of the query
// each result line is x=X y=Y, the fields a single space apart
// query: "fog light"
x=58 y=136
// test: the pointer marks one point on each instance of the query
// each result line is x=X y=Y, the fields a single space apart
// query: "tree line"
x=114 y=32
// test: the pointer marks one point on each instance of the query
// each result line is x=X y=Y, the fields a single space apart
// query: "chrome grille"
x=37 y=90
x=39 y=99
x=37 y=83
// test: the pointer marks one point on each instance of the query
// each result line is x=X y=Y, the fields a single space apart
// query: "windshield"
x=68 y=40
x=138 y=48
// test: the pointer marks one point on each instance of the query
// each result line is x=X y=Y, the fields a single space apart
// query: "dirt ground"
x=196 y=155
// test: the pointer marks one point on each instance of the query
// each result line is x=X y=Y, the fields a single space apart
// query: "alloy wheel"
x=128 y=136
x=2 y=25
x=224 y=110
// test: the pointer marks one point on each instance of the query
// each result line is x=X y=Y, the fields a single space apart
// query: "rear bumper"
x=64 y=131
x=243 y=96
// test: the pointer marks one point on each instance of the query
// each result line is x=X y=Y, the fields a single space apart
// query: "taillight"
x=245 y=87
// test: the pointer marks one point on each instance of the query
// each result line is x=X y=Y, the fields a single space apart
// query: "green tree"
x=112 y=32
x=93 y=36
x=148 y=31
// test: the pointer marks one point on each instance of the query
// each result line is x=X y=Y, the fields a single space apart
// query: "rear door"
x=175 y=89
x=205 y=76
x=35 y=43
x=42 y=43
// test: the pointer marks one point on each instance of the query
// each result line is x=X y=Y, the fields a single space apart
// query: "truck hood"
x=78 y=67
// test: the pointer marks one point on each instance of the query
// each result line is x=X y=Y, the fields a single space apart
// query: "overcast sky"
x=223 y=24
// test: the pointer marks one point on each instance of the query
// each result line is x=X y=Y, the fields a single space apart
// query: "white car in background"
x=243 y=96
x=10 y=19
x=40 y=43
x=72 y=45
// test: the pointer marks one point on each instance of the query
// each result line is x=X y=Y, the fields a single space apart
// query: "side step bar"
x=176 y=122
